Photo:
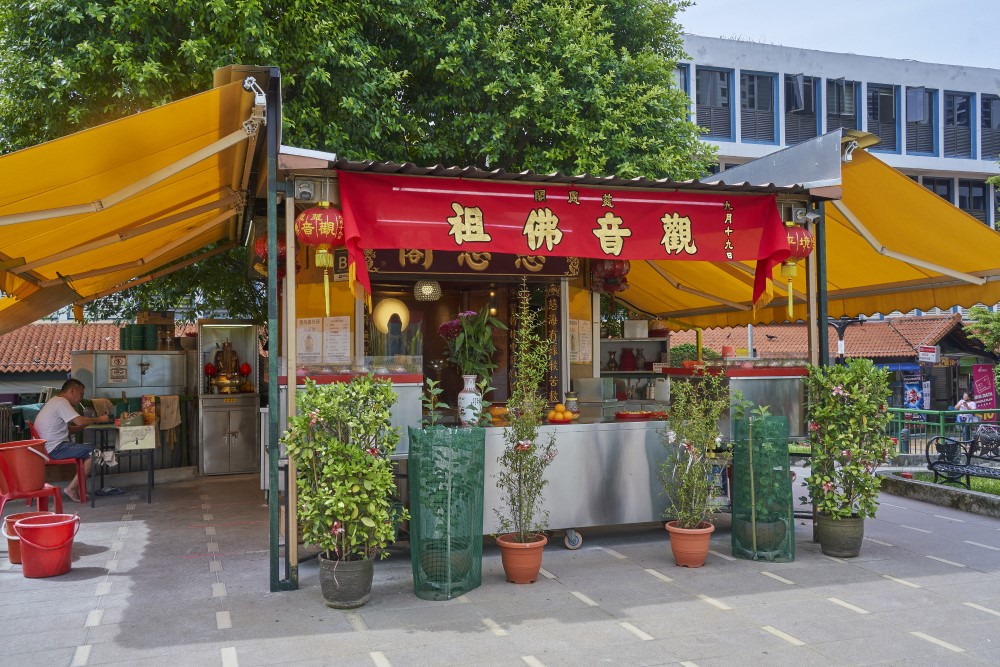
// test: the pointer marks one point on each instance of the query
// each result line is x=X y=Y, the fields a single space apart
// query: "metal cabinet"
x=229 y=427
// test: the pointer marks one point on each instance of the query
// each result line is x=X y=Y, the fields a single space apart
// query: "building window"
x=841 y=104
x=972 y=199
x=939 y=186
x=882 y=116
x=957 y=125
x=681 y=78
x=713 y=103
x=990 y=125
x=920 y=120
x=757 y=107
x=800 y=108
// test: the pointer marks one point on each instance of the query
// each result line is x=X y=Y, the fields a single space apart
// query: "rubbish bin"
x=446 y=471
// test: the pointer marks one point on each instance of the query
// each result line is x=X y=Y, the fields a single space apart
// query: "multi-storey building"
x=938 y=124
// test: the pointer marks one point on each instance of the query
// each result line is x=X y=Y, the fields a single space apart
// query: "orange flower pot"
x=689 y=545
x=521 y=560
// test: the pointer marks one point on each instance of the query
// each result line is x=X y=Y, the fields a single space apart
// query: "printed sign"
x=928 y=353
x=984 y=389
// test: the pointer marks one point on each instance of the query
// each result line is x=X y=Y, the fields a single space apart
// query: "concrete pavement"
x=184 y=581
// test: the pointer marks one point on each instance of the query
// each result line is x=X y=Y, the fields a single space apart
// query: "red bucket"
x=13 y=541
x=47 y=544
x=26 y=463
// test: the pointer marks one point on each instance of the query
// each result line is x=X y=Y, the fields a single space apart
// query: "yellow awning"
x=82 y=215
x=891 y=245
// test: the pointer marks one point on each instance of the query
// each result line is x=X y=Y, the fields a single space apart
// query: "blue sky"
x=953 y=32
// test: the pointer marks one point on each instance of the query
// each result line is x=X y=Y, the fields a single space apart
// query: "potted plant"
x=761 y=489
x=695 y=464
x=469 y=339
x=521 y=479
x=341 y=441
x=848 y=420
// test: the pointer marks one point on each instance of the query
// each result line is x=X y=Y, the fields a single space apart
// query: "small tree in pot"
x=848 y=420
x=341 y=441
x=695 y=457
x=521 y=480
x=469 y=339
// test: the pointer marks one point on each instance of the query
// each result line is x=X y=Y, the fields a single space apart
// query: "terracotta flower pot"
x=689 y=545
x=521 y=560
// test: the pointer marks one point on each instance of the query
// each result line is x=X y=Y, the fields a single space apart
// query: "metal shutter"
x=757 y=125
x=920 y=137
x=716 y=120
x=957 y=141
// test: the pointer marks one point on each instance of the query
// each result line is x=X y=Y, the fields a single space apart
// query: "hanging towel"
x=170 y=414
x=103 y=406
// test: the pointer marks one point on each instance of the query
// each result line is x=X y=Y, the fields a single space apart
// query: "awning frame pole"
x=135 y=188
x=119 y=236
x=887 y=252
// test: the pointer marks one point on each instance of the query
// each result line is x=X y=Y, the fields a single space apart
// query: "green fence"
x=915 y=428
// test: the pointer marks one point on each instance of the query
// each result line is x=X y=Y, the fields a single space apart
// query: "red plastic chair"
x=81 y=474
x=10 y=491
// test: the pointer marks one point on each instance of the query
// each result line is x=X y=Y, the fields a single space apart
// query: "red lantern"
x=800 y=244
x=322 y=228
x=607 y=276
x=260 y=252
x=210 y=369
x=245 y=369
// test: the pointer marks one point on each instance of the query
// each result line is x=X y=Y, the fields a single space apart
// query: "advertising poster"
x=913 y=393
x=984 y=390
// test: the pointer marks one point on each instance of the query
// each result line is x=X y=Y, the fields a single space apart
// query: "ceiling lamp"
x=427 y=290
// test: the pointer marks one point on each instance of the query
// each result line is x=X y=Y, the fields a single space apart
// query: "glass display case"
x=228 y=397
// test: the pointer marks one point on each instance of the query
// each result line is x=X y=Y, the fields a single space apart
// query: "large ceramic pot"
x=770 y=534
x=470 y=403
x=521 y=560
x=689 y=545
x=346 y=584
x=840 y=538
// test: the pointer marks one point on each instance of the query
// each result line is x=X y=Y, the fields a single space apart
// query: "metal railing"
x=915 y=428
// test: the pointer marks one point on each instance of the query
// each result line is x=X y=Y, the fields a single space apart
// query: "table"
x=100 y=432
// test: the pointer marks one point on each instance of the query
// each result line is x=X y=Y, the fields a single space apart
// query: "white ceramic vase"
x=470 y=403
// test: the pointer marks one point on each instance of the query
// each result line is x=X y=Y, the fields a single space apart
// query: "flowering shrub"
x=341 y=442
x=694 y=445
x=521 y=479
x=848 y=416
x=469 y=338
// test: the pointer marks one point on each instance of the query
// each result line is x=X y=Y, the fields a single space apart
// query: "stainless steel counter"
x=605 y=473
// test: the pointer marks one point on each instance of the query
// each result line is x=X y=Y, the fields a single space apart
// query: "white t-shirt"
x=52 y=422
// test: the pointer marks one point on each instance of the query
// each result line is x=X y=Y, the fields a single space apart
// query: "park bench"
x=952 y=459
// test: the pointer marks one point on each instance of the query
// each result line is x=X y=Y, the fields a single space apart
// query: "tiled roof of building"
x=890 y=338
x=45 y=347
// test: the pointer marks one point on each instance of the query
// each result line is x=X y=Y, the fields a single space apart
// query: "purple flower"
x=846 y=453
x=828 y=486
x=337 y=528
x=523 y=446
x=814 y=427
x=839 y=390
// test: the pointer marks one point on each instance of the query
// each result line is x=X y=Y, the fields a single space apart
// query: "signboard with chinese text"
x=385 y=211
x=414 y=261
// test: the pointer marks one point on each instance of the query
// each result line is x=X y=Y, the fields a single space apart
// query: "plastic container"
x=26 y=463
x=13 y=541
x=47 y=544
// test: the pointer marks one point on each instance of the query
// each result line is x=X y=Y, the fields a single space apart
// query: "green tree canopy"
x=545 y=85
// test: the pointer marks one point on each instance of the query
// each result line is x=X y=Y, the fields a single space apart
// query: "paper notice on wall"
x=586 y=330
x=337 y=340
x=117 y=369
x=309 y=340
x=574 y=341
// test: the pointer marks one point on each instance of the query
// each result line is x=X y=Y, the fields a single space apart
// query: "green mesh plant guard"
x=446 y=469
x=763 y=521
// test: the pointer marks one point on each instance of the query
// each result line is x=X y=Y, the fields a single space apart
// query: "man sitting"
x=57 y=419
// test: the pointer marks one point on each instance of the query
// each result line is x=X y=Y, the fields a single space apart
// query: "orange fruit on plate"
x=552 y=415
x=559 y=407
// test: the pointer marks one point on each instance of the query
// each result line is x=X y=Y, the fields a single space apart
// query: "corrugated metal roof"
x=315 y=162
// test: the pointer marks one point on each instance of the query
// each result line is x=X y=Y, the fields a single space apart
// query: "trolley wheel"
x=573 y=540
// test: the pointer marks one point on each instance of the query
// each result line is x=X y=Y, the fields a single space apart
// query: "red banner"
x=389 y=211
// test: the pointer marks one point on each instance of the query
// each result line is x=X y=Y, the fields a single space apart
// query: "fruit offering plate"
x=638 y=415
x=563 y=421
